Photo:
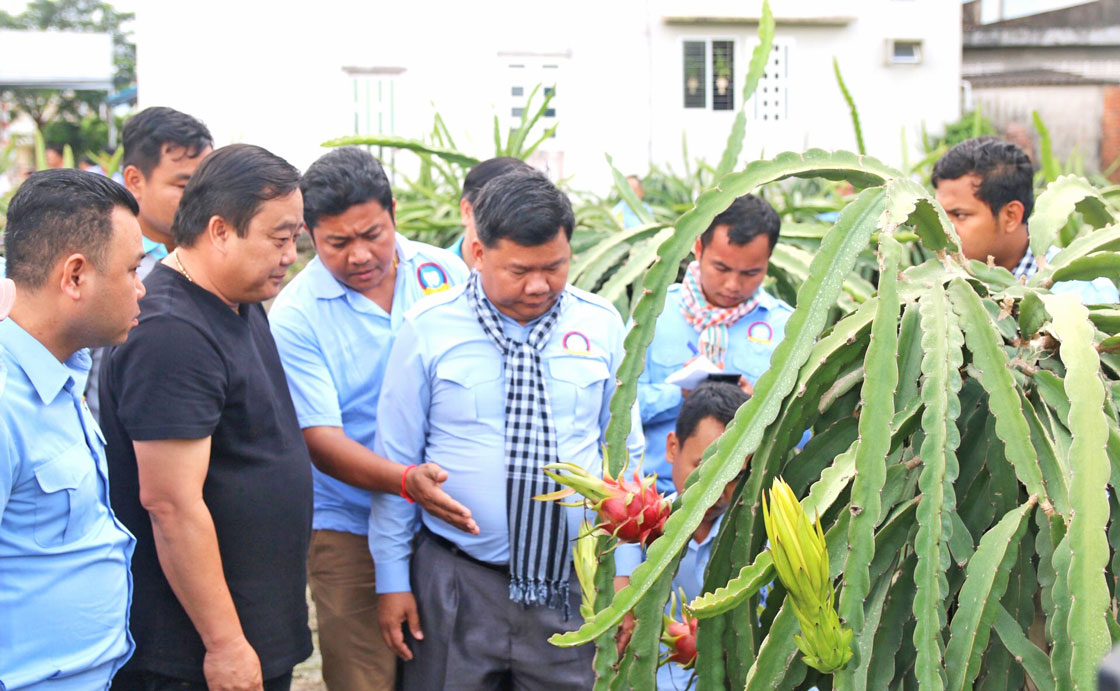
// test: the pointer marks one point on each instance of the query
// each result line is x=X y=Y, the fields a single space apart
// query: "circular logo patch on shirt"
x=432 y=278
x=760 y=332
x=576 y=343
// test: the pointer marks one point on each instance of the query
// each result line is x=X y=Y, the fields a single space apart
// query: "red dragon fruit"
x=679 y=636
x=632 y=511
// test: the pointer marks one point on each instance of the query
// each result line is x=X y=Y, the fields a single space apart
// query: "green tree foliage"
x=42 y=105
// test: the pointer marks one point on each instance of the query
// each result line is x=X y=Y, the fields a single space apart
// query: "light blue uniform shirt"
x=690 y=579
x=443 y=401
x=750 y=343
x=334 y=343
x=626 y=216
x=65 y=585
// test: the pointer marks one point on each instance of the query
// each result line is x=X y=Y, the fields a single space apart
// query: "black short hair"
x=747 y=218
x=340 y=179
x=523 y=207
x=718 y=400
x=486 y=171
x=56 y=213
x=232 y=183
x=149 y=131
x=1005 y=171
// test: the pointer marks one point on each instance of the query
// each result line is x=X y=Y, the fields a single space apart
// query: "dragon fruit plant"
x=632 y=511
x=679 y=635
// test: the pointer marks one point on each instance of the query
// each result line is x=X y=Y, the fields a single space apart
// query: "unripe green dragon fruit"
x=801 y=559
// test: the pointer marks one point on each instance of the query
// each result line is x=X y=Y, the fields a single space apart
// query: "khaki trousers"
x=340 y=572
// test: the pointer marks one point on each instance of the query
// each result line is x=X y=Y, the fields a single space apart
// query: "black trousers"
x=476 y=639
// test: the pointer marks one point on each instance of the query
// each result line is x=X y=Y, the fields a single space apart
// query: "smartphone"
x=725 y=377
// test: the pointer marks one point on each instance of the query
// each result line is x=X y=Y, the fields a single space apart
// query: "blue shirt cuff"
x=392 y=576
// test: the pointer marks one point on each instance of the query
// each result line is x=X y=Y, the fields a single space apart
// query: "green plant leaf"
x=984 y=585
x=941 y=341
x=835 y=259
x=759 y=58
x=402 y=143
x=879 y=385
x=777 y=655
x=623 y=188
x=1090 y=266
x=1034 y=661
x=1089 y=552
x=993 y=368
x=1051 y=169
x=746 y=585
x=851 y=106
x=1052 y=210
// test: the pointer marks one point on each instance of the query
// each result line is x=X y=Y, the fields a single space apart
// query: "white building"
x=631 y=76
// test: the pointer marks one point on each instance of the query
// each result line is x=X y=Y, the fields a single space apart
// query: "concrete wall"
x=1072 y=115
x=277 y=78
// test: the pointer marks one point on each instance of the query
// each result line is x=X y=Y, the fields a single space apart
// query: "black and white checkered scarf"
x=539 y=560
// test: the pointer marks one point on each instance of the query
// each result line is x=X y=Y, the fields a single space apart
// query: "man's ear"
x=698 y=248
x=475 y=249
x=74 y=275
x=219 y=232
x=465 y=211
x=133 y=181
x=1011 y=216
x=672 y=447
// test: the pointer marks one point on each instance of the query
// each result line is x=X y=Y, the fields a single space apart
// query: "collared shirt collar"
x=326 y=287
x=765 y=300
x=156 y=249
x=1027 y=266
x=46 y=373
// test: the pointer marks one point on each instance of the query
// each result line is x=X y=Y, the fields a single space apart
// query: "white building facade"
x=632 y=78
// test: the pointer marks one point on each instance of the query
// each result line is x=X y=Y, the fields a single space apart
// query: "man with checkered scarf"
x=720 y=312
x=493 y=380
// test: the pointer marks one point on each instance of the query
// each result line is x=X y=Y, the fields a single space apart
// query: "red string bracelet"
x=404 y=492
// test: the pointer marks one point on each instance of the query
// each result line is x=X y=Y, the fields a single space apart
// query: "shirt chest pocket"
x=67 y=506
x=576 y=390
x=470 y=389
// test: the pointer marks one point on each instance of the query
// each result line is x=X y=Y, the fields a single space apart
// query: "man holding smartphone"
x=719 y=312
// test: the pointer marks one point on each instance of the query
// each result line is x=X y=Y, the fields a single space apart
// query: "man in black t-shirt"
x=207 y=465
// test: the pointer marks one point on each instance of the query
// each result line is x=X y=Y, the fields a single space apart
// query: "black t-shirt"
x=194 y=368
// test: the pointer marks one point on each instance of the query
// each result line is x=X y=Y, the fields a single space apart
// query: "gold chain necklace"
x=179 y=263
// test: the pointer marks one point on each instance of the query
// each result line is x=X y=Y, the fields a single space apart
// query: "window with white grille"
x=374 y=98
x=770 y=102
x=522 y=75
x=708 y=71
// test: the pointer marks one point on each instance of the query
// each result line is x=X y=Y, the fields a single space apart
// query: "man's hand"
x=233 y=667
x=393 y=610
x=425 y=486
